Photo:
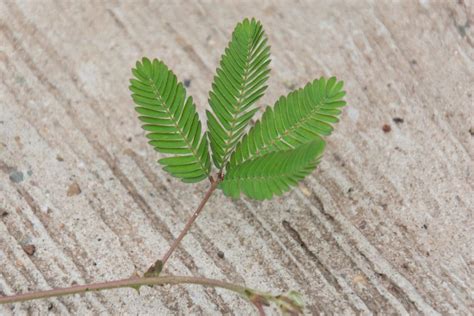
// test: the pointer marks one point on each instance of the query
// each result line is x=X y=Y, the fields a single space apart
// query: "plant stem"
x=131 y=282
x=175 y=244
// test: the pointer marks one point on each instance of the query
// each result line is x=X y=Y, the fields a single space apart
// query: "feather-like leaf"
x=304 y=115
x=171 y=120
x=273 y=173
x=239 y=83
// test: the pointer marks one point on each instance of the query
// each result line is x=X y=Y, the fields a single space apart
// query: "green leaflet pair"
x=283 y=147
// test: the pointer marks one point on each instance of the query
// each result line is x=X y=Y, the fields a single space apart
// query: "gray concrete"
x=385 y=225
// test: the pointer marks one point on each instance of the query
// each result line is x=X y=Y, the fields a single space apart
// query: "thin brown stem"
x=175 y=244
x=131 y=282
x=261 y=311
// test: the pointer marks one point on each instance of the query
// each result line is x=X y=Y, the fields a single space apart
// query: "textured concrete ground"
x=385 y=225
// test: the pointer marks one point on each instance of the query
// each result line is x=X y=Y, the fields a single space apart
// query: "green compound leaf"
x=239 y=83
x=273 y=173
x=171 y=120
x=304 y=115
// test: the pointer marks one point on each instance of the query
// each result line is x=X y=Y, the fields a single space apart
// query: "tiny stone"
x=398 y=120
x=73 y=189
x=50 y=306
x=187 y=83
x=4 y=213
x=59 y=158
x=16 y=176
x=471 y=131
x=386 y=128
x=29 y=249
x=220 y=254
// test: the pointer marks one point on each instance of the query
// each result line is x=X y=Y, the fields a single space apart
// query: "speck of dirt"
x=16 y=176
x=59 y=158
x=389 y=85
x=50 y=306
x=471 y=131
x=220 y=254
x=18 y=142
x=289 y=85
x=29 y=249
x=4 y=214
x=129 y=139
x=462 y=28
x=398 y=120
x=413 y=62
x=425 y=226
x=187 y=83
x=364 y=88
x=74 y=189
x=386 y=128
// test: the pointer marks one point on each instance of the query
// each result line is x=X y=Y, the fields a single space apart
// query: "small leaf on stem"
x=136 y=287
x=154 y=270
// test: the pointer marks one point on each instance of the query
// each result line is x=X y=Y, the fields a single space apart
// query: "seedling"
x=262 y=161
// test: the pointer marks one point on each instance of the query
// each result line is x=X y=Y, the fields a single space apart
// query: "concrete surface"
x=385 y=225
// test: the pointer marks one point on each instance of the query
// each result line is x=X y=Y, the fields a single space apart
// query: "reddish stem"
x=131 y=282
x=191 y=220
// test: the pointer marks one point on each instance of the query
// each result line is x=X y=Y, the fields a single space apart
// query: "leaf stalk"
x=192 y=219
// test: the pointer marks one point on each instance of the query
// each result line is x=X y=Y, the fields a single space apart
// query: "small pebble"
x=386 y=128
x=220 y=254
x=74 y=189
x=16 y=176
x=29 y=249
